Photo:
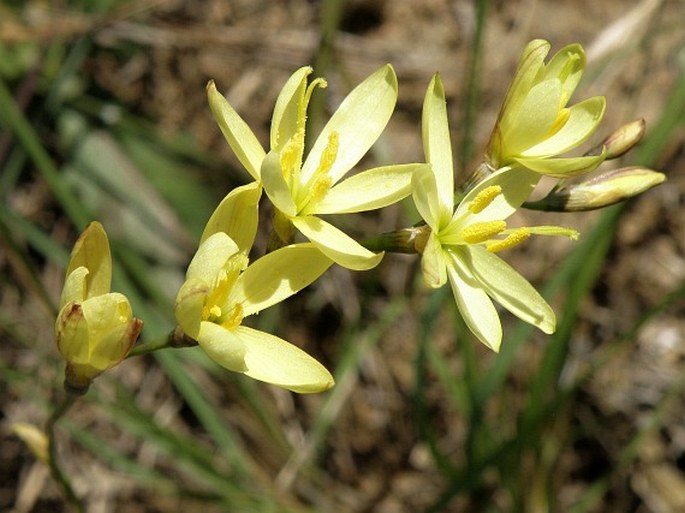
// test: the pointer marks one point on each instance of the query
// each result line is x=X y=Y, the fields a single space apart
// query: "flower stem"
x=175 y=338
x=406 y=240
x=53 y=461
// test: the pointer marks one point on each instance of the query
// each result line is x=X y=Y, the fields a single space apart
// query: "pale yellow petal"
x=190 y=302
x=567 y=65
x=237 y=133
x=211 y=256
x=434 y=263
x=71 y=333
x=108 y=319
x=535 y=119
x=336 y=245
x=426 y=199
x=437 y=146
x=475 y=306
x=566 y=167
x=287 y=113
x=223 y=346
x=74 y=290
x=508 y=287
x=584 y=119
x=278 y=275
x=275 y=185
x=264 y=357
x=237 y=215
x=91 y=251
x=358 y=121
x=516 y=184
x=527 y=74
x=368 y=190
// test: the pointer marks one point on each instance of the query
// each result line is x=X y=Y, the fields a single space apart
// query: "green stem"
x=55 y=468
x=406 y=240
x=175 y=338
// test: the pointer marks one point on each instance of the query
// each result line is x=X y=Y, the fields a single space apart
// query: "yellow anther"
x=320 y=182
x=514 y=238
x=291 y=155
x=562 y=117
x=484 y=198
x=329 y=154
x=481 y=232
x=321 y=186
x=237 y=263
x=234 y=318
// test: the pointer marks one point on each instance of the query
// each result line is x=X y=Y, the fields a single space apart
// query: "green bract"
x=535 y=123
x=462 y=241
x=95 y=328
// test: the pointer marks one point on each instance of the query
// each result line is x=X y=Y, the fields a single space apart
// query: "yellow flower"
x=221 y=290
x=463 y=241
x=535 y=123
x=95 y=328
x=302 y=188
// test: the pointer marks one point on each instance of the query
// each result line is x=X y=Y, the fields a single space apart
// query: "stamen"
x=561 y=120
x=321 y=186
x=291 y=156
x=513 y=239
x=329 y=154
x=234 y=318
x=321 y=182
x=558 y=231
x=215 y=312
x=223 y=285
x=484 y=198
x=481 y=232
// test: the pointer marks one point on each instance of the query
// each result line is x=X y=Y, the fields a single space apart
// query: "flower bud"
x=621 y=140
x=95 y=328
x=601 y=191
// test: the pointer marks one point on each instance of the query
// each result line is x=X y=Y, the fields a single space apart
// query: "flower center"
x=321 y=181
x=494 y=234
x=216 y=308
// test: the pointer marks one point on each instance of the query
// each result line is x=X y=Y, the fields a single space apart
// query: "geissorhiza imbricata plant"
x=459 y=241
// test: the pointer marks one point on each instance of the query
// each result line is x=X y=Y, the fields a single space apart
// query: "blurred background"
x=103 y=115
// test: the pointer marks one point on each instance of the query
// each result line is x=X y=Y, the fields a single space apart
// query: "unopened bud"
x=599 y=192
x=621 y=140
x=95 y=328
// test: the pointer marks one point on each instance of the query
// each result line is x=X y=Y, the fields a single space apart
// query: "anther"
x=234 y=318
x=484 y=198
x=481 y=232
x=513 y=239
